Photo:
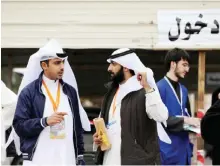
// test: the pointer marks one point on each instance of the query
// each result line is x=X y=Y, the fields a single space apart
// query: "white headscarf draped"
x=132 y=61
x=8 y=104
x=33 y=70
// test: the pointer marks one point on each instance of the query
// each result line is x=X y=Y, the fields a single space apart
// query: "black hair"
x=175 y=55
x=132 y=72
x=215 y=95
x=45 y=61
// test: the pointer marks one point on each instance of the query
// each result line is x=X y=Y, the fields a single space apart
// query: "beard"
x=118 y=77
x=178 y=74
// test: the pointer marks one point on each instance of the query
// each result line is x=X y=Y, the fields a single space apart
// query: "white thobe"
x=155 y=109
x=8 y=104
x=55 y=151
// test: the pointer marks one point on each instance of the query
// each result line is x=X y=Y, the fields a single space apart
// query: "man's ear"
x=44 y=65
x=125 y=69
x=173 y=65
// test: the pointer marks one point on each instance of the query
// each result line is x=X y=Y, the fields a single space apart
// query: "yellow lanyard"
x=55 y=104
x=114 y=103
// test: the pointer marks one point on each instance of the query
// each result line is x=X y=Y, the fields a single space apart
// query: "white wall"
x=87 y=23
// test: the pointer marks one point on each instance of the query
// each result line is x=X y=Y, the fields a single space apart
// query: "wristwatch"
x=149 y=90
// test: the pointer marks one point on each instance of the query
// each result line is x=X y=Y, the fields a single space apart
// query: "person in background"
x=8 y=105
x=175 y=96
x=210 y=128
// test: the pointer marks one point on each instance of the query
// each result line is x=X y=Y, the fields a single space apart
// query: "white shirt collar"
x=128 y=84
x=49 y=82
x=132 y=84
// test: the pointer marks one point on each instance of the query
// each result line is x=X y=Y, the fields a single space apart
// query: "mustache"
x=62 y=70
x=111 y=73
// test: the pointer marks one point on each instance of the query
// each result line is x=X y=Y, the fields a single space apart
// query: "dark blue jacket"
x=29 y=116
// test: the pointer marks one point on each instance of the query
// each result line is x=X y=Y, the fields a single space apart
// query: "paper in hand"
x=192 y=128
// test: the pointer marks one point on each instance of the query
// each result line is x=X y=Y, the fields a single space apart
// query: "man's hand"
x=142 y=77
x=192 y=121
x=97 y=139
x=57 y=117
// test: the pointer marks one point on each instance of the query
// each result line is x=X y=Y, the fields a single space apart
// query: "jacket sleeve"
x=24 y=124
x=210 y=125
x=175 y=124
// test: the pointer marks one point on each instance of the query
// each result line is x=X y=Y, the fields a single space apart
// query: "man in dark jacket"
x=47 y=117
x=130 y=110
x=209 y=127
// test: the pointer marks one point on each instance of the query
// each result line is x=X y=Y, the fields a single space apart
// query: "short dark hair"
x=45 y=61
x=175 y=55
x=132 y=72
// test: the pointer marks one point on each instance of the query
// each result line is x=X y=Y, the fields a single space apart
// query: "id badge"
x=57 y=131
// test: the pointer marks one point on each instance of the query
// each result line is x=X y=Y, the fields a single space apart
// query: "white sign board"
x=213 y=78
x=189 y=27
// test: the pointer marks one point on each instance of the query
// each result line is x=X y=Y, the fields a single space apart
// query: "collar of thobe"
x=132 y=84
x=50 y=83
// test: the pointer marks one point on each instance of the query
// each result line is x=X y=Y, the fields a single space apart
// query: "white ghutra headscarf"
x=8 y=105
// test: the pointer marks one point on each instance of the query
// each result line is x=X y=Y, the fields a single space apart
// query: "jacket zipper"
x=73 y=121
x=32 y=154
x=38 y=136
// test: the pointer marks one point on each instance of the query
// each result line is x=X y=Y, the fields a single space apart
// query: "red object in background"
x=139 y=77
x=200 y=114
x=91 y=122
x=200 y=157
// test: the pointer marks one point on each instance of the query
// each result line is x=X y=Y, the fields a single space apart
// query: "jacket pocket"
x=137 y=156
